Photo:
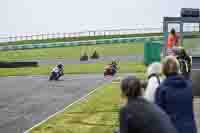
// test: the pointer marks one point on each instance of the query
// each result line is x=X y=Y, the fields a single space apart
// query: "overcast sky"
x=20 y=16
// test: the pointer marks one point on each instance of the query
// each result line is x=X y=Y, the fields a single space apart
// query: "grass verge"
x=97 y=113
x=125 y=67
x=73 y=52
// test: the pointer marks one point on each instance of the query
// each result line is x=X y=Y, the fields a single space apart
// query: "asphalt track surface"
x=197 y=112
x=25 y=101
x=91 y=61
x=196 y=63
x=196 y=69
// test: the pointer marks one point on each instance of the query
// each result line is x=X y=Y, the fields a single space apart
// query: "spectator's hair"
x=173 y=31
x=170 y=66
x=131 y=87
x=154 y=68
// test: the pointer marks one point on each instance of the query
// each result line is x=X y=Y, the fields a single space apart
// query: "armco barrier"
x=18 y=64
x=76 y=43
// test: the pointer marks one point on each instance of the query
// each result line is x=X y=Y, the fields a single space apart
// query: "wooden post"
x=181 y=33
x=199 y=27
x=165 y=31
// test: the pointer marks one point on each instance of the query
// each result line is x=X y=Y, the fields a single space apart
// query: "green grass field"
x=193 y=46
x=125 y=67
x=89 y=116
x=73 y=52
x=191 y=43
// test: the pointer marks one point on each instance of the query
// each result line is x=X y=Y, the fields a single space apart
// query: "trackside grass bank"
x=96 y=114
x=73 y=52
x=125 y=67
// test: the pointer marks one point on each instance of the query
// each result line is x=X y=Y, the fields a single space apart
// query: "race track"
x=92 y=61
x=25 y=101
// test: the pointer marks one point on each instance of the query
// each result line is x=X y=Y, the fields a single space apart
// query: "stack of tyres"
x=84 y=57
x=95 y=55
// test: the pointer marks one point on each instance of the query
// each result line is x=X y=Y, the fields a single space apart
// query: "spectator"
x=139 y=115
x=173 y=41
x=154 y=73
x=174 y=96
x=185 y=62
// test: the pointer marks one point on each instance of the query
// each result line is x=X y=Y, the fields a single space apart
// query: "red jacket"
x=172 y=41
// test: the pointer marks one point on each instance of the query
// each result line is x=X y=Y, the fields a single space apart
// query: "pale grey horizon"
x=35 y=16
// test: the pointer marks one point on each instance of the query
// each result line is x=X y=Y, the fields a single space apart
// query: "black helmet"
x=114 y=62
x=60 y=65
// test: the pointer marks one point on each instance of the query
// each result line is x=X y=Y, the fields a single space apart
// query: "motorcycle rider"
x=58 y=71
x=114 y=66
x=111 y=68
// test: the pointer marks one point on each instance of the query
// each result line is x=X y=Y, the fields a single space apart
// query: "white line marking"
x=77 y=101
x=65 y=78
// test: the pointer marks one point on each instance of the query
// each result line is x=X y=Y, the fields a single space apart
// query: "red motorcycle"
x=110 y=70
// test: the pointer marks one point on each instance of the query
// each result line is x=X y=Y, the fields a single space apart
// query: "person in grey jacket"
x=138 y=115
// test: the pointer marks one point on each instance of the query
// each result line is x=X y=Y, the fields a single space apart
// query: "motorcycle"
x=55 y=76
x=110 y=70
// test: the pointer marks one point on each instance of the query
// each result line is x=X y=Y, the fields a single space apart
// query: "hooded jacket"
x=174 y=96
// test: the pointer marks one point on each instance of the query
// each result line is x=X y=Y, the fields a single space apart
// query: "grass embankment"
x=125 y=67
x=191 y=43
x=79 y=38
x=73 y=52
x=96 y=114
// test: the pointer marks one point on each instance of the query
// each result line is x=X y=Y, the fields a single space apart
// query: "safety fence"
x=89 y=33
x=77 y=43
x=92 y=33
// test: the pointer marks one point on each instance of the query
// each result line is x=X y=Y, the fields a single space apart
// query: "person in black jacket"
x=139 y=115
x=174 y=96
x=186 y=69
x=184 y=60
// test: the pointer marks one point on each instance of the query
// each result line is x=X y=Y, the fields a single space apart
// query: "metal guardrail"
x=56 y=35
x=90 y=33
x=77 y=43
